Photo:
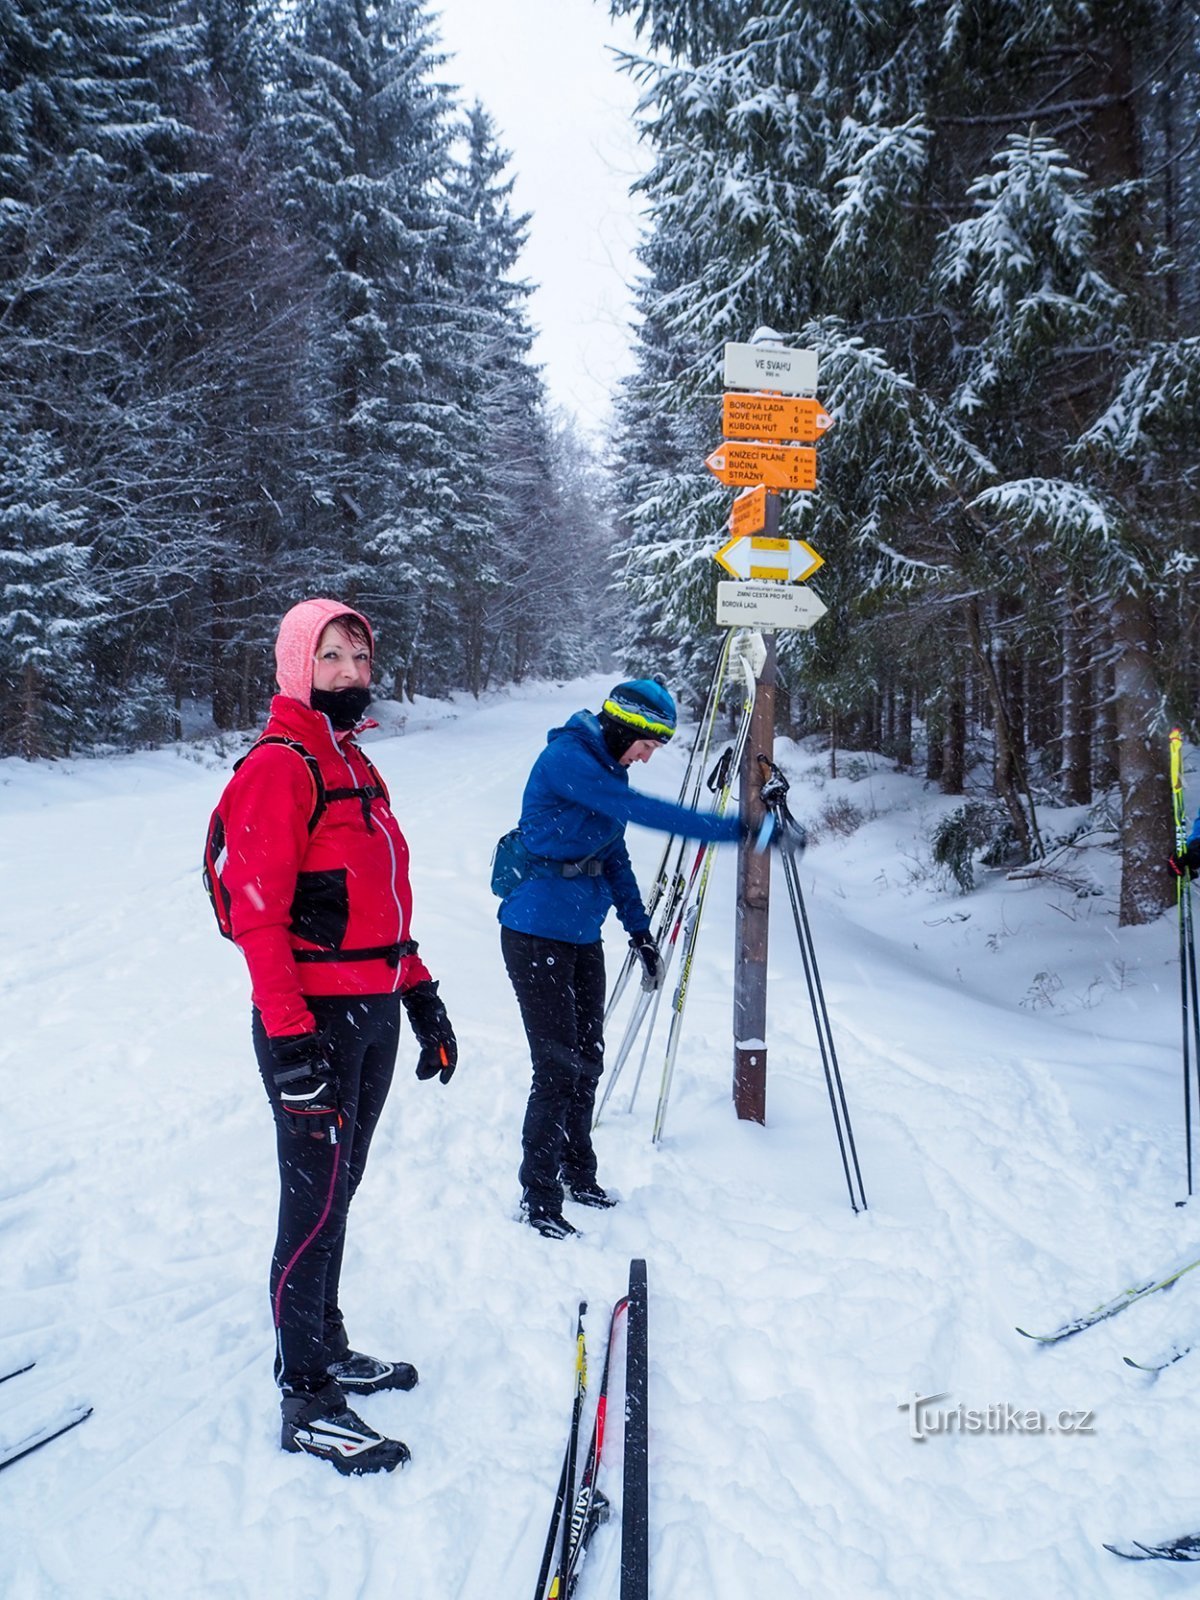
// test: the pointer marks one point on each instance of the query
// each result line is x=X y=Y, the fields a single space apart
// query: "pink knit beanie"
x=296 y=644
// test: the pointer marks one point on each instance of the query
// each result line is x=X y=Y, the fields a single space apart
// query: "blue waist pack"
x=513 y=863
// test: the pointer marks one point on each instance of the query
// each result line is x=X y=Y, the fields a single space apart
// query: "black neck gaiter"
x=345 y=708
x=618 y=736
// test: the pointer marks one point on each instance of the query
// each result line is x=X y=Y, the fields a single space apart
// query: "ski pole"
x=558 y=1588
x=689 y=793
x=560 y=1517
x=774 y=796
x=591 y=1507
x=722 y=775
x=1187 y=946
x=667 y=937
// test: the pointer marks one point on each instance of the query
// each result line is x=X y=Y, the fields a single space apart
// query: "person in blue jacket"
x=574 y=811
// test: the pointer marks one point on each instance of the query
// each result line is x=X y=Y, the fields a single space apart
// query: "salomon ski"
x=35 y=1441
x=1110 y=1308
x=1185 y=1548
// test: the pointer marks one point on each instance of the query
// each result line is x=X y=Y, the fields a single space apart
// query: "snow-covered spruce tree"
x=667 y=420
x=368 y=127
x=86 y=157
x=579 y=616
x=834 y=173
x=482 y=605
x=247 y=355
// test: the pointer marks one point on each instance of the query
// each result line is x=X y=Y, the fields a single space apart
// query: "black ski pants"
x=318 y=1178
x=560 y=990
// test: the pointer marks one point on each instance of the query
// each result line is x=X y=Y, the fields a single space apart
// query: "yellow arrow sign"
x=778 y=466
x=785 y=560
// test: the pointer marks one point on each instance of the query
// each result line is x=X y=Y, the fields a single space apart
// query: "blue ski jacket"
x=576 y=804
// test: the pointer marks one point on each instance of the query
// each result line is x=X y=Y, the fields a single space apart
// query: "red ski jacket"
x=324 y=912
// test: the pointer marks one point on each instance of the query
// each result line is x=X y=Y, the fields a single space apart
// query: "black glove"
x=439 y=1047
x=307 y=1088
x=654 y=968
x=1185 y=860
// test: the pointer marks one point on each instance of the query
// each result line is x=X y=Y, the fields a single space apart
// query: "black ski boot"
x=590 y=1194
x=359 y=1374
x=323 y=1425
x=550 y=1224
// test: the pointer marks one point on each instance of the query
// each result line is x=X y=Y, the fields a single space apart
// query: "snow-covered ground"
x=1011 y=1062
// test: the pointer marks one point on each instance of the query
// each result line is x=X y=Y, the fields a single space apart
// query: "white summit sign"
x=763 y=367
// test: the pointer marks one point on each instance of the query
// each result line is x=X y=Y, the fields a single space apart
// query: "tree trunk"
x=954 y=739
x=1104 y=770
x=1008 y=767
x=29 y=727
x=934 y=737
x=1076 y=705
x=903 y=749
x=224 y=655
x=1145 y=797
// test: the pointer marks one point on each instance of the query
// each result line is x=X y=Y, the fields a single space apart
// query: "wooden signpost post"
x=779 y=409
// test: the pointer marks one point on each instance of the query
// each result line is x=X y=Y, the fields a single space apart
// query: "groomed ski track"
x=1021 y=1161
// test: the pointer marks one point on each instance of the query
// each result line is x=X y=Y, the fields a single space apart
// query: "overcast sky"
x=541 y=67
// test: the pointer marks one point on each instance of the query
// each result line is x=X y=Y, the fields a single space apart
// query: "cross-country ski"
x=1176 y=1353
x=1111 y=1308
x=1184 y=1548
x=43 y=1435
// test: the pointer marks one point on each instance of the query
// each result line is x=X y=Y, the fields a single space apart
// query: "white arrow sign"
x=758 y=366
x=764 y=604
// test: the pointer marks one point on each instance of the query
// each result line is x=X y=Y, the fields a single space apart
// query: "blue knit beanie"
x=644 y=707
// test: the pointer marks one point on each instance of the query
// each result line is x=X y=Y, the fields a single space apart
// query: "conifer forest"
x=263 y=333
x=985 y=216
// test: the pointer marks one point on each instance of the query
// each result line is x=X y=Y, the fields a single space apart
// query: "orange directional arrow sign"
x=749 y=511
x=778 y=466
x=786 y=560
x=771 y=416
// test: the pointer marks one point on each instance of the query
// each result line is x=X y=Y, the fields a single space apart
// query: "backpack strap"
x=321 y=795
x=365 y=793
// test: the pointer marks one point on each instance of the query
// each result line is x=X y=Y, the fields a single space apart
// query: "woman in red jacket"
x=314 y=872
